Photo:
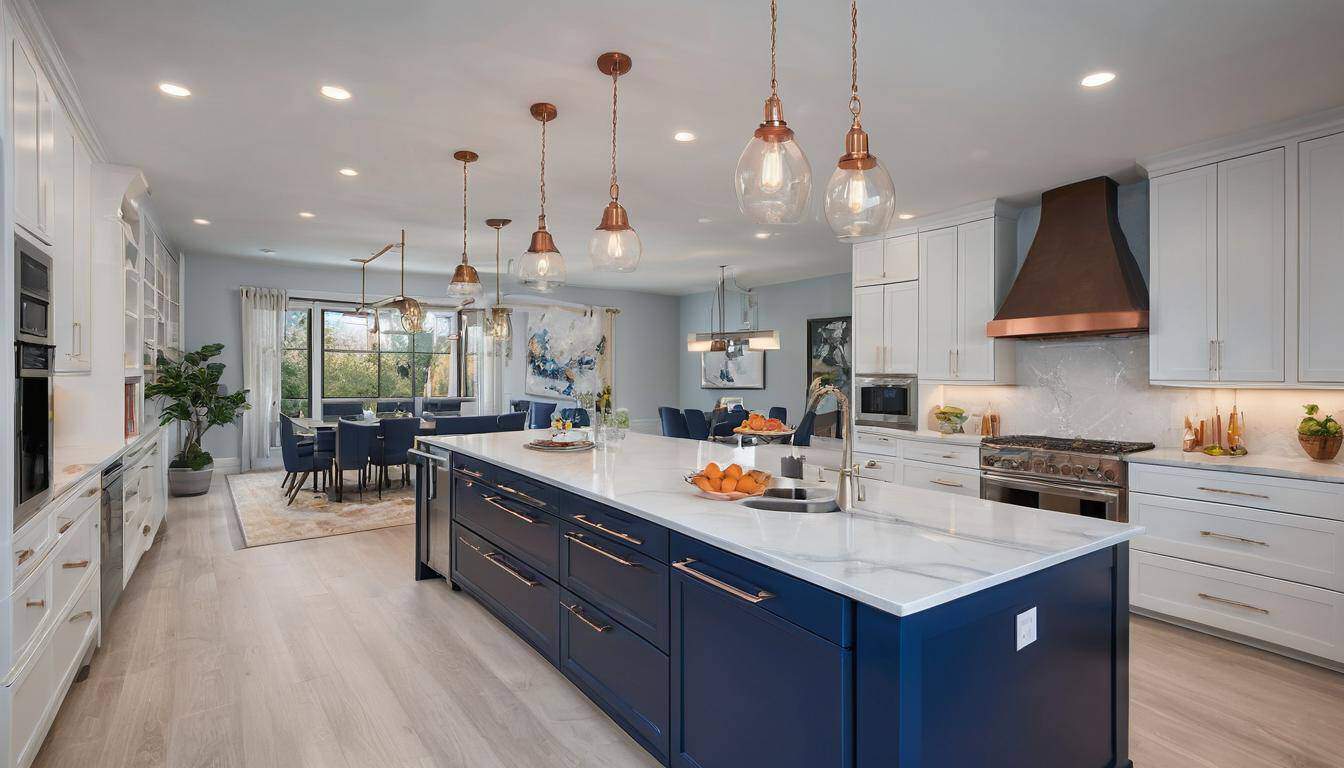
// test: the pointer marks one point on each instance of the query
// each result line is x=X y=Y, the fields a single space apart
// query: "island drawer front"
x=878 y=467
x=526 y=490
x=1294 y=547
x=1281 y=494
x=948 y=479
x=817 y=610
x=1292 y=615
x=527 y=532
x=935 y=453
x=620 y=671
x=649 y=538
x=525 y=600
x=629 y=585
x=472 y=468
x=870 y=442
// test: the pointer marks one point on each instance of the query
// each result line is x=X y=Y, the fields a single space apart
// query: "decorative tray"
x=556 y=446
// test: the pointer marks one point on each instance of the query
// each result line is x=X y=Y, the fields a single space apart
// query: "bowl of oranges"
x=729 y=483
x=758 y=424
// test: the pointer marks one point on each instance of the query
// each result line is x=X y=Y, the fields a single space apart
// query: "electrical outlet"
x=1026 y=628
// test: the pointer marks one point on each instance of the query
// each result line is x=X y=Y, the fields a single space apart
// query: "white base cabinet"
x=884 y=457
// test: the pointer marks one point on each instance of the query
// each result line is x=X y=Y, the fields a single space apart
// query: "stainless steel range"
x=1077 y=477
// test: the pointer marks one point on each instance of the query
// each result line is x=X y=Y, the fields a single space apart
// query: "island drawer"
x=817 y=610
x=629 y=585
x=527 y=532
x=1281 y=612
x=524 y=599
x=649 y=538
x=946 y=453
x=475 y=469
x=620 y=671
x=1294 y=547
x=1281 y=494
x=878 y=467
x=526 y=490
x=948 y=479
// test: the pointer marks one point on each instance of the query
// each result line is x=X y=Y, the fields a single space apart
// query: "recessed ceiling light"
x=905 y=216
x=348 y=172
x=202 y=222
x=1097 y=79
x=306 y=214
x=704 y=220
x=174 y=90
x=762 y=235
x=268 y=251
x=335 y=92
x=684 y=136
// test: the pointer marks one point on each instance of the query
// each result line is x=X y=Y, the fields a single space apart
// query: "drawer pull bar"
x=1234 y=493
x=80 y=616
x=520 y=494
x=494 y=502
x=22 y=556
x=872 y=464
x=145 y=530
x=75 y=564
x=36 y=604
x=1233 y=603
x=578 y=614
x=65 y=527
x=610 y=531
x=577 y=538
x=948 y=483
x=472 y=472
x=1228 y=537
x=685 y=567
x=493 y=558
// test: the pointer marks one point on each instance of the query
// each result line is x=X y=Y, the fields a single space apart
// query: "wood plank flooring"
x=327 y=653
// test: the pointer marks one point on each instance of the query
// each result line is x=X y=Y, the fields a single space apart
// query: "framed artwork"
x=568 y=353
x=828 y=351
x=738 y=368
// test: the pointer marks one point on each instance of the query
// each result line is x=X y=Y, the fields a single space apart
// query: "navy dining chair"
x=779 y=412
x=297 y=456
x=519 y=406
x=440 y=407
x=340 y=409
x=355 y=443
x=803 y=434
x=398 y=437
x=512 y=422
x=539 y=414
x=697 y=426
x=576 y=416
x=673 y=421
x=731 y=420
x=393 y=406
x=465 y=425
x=324 y=454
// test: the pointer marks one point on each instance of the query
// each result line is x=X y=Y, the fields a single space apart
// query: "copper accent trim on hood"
x=1079 y=277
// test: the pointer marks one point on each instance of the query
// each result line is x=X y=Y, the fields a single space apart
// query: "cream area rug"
x=259 y=502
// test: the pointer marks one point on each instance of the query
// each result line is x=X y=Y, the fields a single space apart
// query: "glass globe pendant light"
x=542 y=268
x=500 y=327
x=615 y=246
x=466 y=283
x=773 y=179
x=412 y=312
x=860 y=197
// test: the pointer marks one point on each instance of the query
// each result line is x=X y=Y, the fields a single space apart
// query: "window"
x=296 y=369
x=391 y=363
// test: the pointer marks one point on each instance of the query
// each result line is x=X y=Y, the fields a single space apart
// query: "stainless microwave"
x=887 y=400
x=32 y=305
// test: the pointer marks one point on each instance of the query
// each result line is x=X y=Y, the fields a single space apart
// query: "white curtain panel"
x=263 y=328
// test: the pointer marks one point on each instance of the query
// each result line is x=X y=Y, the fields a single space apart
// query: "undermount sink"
x=794 y=499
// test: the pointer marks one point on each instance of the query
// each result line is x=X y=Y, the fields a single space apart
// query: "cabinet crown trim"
x=985 y=209
x=1259 y=139
x=49 y=58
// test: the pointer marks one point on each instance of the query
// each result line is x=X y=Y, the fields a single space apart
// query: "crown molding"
x=1265 y=137
x=49 y=58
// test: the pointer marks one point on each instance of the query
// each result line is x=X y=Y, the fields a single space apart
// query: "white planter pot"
x=189 y=482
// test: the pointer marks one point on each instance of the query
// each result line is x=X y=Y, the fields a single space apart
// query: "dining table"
x=311 y=425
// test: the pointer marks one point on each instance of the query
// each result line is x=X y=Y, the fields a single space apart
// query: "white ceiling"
x=963 y=100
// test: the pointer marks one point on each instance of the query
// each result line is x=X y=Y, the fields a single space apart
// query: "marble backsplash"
x=1098 y=388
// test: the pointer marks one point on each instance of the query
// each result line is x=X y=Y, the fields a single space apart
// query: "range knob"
x=1052 y=468
x=1078 y=470
x=1109 y=475
x=991 y=461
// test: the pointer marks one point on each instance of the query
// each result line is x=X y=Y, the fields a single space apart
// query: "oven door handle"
x=1079 y=491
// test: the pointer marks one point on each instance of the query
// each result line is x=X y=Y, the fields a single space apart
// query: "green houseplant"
x=1320 y=438
x=189 y=392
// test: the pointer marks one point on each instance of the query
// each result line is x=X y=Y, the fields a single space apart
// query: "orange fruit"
x=746 y=485
x=733 y=471
x=712 y=471
x=704 y=483
x=729 y=485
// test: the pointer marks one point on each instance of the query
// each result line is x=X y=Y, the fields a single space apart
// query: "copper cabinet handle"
x=75 y=564
x=472 y=472
x=578 y=538
x=145 y=531
x=685 y=567
x=610 y=531
x=1234 y=493
x=1229 y=537
x=22 y=555
x=520 y=495
x=578 y=614
x=81 y=615
x=36 y=604
x=1233 y=603
x=948 y=483
x=494 y=502
x=491 y=557
x=65 y=527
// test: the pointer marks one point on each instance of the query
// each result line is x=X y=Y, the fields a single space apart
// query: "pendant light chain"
x=855 y=106
x=774 y=16
x=615 y=189
x=541 y=219
x=464 y=212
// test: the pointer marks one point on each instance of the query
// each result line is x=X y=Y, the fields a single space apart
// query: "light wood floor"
x=327 y=653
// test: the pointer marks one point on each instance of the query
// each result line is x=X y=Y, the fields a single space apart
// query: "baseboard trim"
x=228 y=465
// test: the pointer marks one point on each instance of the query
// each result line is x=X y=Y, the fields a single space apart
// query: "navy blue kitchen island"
x=719 y=636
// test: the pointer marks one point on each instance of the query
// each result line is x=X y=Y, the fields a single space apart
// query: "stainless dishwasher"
x=110 y=543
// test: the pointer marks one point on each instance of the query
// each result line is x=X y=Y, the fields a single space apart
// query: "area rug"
x=259 y=503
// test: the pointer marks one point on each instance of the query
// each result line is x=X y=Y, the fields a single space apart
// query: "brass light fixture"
x=773 y=179
x=466 y=282
x=860 y=197
x=500 y=328
x=720 y=340
x=614 y=247
x=412 y=312
x=363 y=314
x=542 y=268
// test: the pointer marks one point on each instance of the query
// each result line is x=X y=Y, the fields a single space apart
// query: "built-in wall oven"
x=886 y=400
x=33 y=358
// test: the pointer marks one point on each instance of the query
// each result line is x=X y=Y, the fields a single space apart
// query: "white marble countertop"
x=76 y=463
x=904 y=551
x=1299 y=467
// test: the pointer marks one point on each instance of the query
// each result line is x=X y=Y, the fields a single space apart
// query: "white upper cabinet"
x=1217 y=267
x=1321 y=262
x=72 y=251
x=889 y=260
x=965 y=271
x=937 y=302
x=976 y=304
x=900 y=323
x=24 y=133
x=868 y=262
x=868 y=329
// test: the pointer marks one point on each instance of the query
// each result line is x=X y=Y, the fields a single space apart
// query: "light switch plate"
x=1026 y=628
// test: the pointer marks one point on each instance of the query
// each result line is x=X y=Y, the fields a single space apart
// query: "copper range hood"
x=1079 y=278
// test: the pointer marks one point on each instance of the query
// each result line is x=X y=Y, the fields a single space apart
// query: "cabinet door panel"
x=23 y=116
x=1183 y=276
x=81 y=250
x=900 y=320
x=868 y=262
x=869 y=341
x=937 y=302
x=1321 y=314
x=974 y=360
x=900 y=258
x=1251 y=268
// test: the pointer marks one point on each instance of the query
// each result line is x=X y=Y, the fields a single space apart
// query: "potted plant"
x=189 y=391
x=1320 y=438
